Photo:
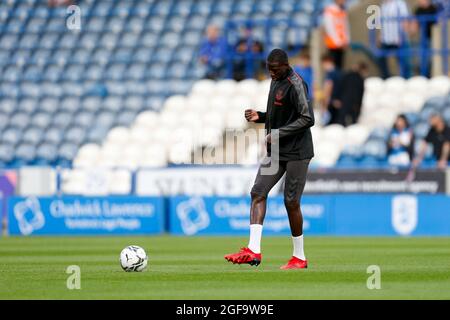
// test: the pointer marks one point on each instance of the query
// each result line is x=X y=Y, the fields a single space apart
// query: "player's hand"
x=269 y=139
x=251 y=115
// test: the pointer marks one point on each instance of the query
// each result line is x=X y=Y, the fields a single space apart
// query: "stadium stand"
x=95 y=97
x=130 y=56
x=202 y=121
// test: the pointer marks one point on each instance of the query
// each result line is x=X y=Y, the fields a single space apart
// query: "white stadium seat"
x=248 y=87
x=147 y=118
x=197 y=103
x=119 y=135
x=395 y=85
x=214 y=119
x=87 y=155
x=356 y=134
x=413 y=101
x=264 y=87
x=438 y=86
x=175 y=103
x=140 y=135
x=387 y=100
x=226 y=87
x=204 y=87
x=180 y=153
x=373 y=85
x=417 y=85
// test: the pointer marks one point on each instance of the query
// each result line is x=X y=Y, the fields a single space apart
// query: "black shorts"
x=294 y=182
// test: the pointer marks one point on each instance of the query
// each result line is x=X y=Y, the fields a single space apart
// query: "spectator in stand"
x=425 y=13
x=248 y=50
x=59 y=3
x=337 y=31
x=351 y=94
x=401 y=143
x=442 y=5
x=213 y=52
x=439 y=137
x=331 y=91
x=393 y=39
x=304 y=69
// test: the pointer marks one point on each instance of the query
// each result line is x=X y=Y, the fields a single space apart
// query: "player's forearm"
x=299 y=125
x=445 y=151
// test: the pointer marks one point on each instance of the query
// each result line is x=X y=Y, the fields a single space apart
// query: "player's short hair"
x=278 y=55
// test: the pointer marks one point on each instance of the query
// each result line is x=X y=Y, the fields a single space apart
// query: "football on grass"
x=133 y=258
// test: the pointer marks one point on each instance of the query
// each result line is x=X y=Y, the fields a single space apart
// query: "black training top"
x=437 y=139
x=289 y=109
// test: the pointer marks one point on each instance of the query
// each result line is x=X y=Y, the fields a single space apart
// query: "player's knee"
x=257 y=196
x=292 y=204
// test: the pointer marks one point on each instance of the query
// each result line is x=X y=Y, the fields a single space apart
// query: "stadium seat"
x=47 y=153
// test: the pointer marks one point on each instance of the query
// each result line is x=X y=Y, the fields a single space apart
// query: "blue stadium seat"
x=134 y=103
x=421 y=130
x=125 y=118
x=129 y=57
x=105 y=119
x=83 y=119
x=182 y=8
x=54 y=135
x=26 y=152
x=11 y=136
x=347 y=162
x=427 y=111
x=42 y=120
x=375 y=148
x=62 y=119
x=370 y=162
x=380 y=133
x=19 y=120
x=354 y=152
x=112 y=103
x=91 y=104
x=446 y=115
x=49 y=105
x=33 y=135
x=4 y=120
x=69 y=104
x=75 y=135
x=98 y=134
x=6 y=153
x=412 y=118
x=67 y=151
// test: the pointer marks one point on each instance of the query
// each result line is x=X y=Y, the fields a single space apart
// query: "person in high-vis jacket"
x=337 y=31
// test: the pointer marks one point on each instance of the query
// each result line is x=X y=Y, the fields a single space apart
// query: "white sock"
x=255 y=238
x=298 y=247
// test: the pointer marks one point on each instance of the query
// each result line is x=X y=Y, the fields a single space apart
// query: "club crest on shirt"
x=279 y=97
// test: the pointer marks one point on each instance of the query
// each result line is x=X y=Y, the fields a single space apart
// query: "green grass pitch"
x=194 y=268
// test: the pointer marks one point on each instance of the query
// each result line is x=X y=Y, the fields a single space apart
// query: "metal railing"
x=405 y=49
x=270 y=33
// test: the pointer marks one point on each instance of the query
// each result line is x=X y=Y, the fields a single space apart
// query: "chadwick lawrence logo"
x=193 y=215
x=278 y=97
